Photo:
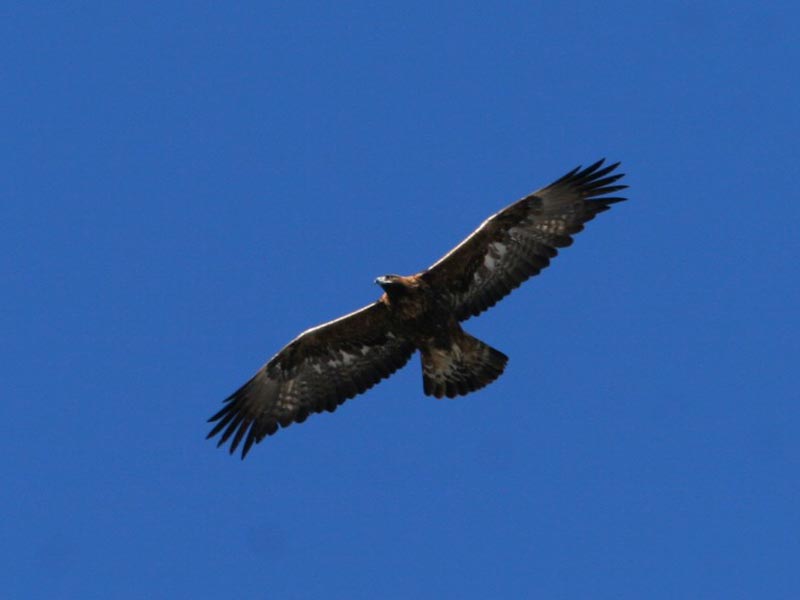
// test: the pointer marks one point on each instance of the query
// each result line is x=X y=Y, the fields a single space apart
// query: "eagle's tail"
x=466 y=366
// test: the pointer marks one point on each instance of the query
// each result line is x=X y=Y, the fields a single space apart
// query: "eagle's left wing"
x=519 y=241
x=319 y=370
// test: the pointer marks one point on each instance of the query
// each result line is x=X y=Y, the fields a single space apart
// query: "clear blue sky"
x=188 y=185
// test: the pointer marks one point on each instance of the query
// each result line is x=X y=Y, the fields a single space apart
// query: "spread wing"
x=519 y=241
x=317 y=371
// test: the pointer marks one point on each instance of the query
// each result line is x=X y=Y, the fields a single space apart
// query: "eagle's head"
x=389 y=282
x=397 y=286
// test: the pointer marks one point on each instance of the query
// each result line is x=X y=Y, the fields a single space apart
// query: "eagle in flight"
x=330 y=363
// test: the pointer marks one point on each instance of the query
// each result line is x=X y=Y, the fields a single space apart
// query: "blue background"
x=187 y=185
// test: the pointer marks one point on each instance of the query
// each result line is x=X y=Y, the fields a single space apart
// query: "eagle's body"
x=453 y=362
x=326 y=365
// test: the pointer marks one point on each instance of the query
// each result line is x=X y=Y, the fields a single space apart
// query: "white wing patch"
x=552 y=226
x=346 y=359
x=499 y=248
x=495 y=253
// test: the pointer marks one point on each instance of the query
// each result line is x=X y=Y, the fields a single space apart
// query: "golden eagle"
x=328 y=364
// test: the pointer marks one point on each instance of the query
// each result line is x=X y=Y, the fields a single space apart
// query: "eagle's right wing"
x=519 y=241
x=317 y=371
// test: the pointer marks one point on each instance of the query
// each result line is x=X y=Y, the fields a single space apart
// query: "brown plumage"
x=326 y=365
